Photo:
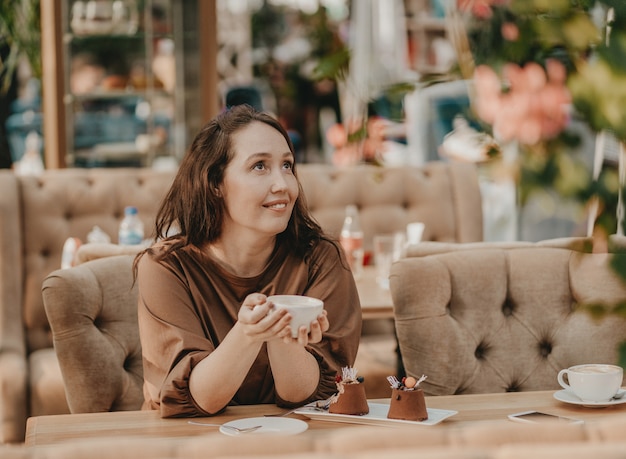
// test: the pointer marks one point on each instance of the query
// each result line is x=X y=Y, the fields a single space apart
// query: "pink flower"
x=368 y=149
x=535 y=76
x=534 y=107
x=510 y=31
x=556 y=71
x=336 y=135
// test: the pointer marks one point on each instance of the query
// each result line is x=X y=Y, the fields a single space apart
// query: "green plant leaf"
x=20 y=25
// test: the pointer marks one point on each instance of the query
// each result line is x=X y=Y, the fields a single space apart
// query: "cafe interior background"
x=531 y=92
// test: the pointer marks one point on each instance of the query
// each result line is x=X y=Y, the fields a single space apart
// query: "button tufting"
x=545 y=348
x=508 y=307
x=481 y=351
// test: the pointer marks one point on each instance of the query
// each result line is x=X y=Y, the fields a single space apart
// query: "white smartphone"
x=534 y=417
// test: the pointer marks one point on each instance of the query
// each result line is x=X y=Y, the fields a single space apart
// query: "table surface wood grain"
x=472 y=408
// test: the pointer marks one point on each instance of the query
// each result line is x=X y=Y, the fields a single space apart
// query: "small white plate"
x=568 y=397
x=376 y=417
x=269 y=425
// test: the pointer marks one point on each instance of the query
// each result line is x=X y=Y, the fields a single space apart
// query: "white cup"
x=414 y=232
x=303 y=310
x=592 y=382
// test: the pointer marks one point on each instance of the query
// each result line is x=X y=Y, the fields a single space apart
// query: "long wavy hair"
x=193 y=209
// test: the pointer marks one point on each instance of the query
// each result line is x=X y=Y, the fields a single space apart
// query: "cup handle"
x=561 y=381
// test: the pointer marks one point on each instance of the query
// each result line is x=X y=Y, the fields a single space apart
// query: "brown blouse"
x=188 y=303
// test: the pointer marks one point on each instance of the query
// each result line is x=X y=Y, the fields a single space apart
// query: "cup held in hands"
x=303 y=310
x=592 y=382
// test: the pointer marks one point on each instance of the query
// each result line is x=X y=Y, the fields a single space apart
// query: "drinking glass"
x=387 y=249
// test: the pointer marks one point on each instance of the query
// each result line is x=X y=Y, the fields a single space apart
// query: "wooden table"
x=53 y=429
x=376 y=301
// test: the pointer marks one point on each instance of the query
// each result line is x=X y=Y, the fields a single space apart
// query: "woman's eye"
x=258 y=166
x=287 y=165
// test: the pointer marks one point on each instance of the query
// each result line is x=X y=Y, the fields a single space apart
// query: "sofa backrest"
x=69 y=203
x=496 y=320
x=39 y=213
x=614 y=243
x=444 y=196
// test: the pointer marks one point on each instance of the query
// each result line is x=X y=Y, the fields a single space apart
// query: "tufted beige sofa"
x=444 y=196
x=39 y=214
x=483 y=440
x=496 y=319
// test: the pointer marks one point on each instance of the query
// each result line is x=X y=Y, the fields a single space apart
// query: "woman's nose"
x=279 y=183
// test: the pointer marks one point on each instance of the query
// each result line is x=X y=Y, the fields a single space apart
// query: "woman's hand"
x=318 y=327
x=260 y=321
x=263 y=322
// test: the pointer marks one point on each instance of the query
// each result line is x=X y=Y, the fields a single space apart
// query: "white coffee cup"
x=593 y=382
x=303 y=310
x=414 y=232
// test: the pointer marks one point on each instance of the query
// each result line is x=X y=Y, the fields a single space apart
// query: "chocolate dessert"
x=407 y=400
x=350 y=398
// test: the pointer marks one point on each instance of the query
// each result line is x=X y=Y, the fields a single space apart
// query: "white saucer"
x=269 y=425
x=568 y=397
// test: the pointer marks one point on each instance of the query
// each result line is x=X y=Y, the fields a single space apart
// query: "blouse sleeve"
x=173 y=342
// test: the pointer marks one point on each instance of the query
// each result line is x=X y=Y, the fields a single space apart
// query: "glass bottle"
x=351 y=239
x=131 y=228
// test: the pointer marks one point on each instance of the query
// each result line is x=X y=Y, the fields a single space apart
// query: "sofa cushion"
x=47 y=392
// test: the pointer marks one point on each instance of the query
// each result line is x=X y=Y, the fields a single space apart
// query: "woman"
x=209 y=336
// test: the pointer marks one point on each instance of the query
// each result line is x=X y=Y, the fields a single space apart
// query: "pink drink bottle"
x=351 y=240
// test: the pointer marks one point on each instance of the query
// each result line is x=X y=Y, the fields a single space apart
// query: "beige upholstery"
x=92 y=309
x=579 y=244
x=615 y=243
x=39 y=213
x=444 y=196
x=95 y=250
x=495 y=319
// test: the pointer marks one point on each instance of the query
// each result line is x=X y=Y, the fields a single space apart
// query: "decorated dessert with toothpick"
x=350 y=397
x=407 y=399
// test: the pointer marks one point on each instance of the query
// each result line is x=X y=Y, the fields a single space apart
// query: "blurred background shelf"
x=131 y=78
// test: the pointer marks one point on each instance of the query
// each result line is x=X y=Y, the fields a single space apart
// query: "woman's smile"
x=277 y=205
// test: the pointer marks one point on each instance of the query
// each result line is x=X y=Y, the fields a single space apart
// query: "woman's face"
x=259 y=188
